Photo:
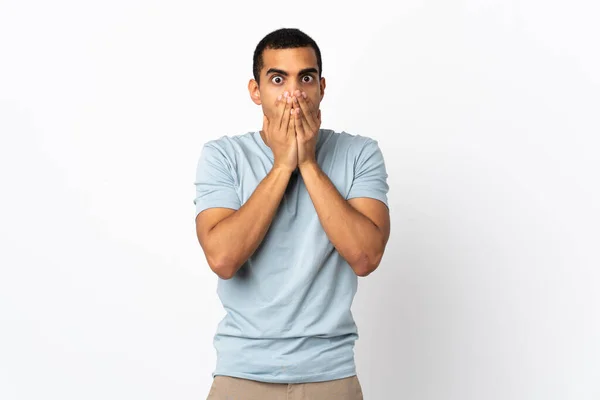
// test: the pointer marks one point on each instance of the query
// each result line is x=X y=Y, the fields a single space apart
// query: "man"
x=288 y=217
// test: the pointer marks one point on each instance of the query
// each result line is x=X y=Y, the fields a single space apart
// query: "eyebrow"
x=282 y=72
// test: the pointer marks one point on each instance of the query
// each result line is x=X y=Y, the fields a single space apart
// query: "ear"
x=322 y=87
x=254 y=92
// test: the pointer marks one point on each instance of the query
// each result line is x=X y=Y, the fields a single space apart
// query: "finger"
x=308 y=123
x=309 y=106
x=314 y=109
x=278 y=100
x=280 y=106
x=303 y=98
x=291 y=131
x=285 y=118
x=298 y=124
x=307 y=113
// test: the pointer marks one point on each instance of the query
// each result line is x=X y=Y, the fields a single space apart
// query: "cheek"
x=315 y=100
x=269 y=110
x=272 y=102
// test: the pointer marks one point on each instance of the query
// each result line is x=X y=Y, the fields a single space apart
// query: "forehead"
x=289 y=60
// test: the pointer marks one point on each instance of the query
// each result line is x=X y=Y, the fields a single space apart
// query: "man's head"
x=286 y=60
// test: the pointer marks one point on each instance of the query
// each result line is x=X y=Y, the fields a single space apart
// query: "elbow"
x=363 y=271
x=223 y=273
x=223 y=268
x=363 y=265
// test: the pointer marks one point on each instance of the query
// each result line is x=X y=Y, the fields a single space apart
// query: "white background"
x=487 y=113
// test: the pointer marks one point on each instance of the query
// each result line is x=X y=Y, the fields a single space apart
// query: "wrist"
x=309 y=164
x=282 y=169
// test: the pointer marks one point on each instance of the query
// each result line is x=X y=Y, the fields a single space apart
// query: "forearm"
x=233 y=240
x=358 y=240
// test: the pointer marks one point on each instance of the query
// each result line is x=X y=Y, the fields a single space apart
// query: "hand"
x=307 y=121
x=281 y=134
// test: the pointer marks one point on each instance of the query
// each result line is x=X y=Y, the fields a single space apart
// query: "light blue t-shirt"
x=288 y=317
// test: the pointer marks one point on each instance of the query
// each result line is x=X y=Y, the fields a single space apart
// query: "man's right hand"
x=281 y=134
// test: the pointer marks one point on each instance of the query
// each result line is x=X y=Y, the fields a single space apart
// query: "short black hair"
x=284 y=38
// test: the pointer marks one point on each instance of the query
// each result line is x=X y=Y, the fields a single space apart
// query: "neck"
x=264 y=138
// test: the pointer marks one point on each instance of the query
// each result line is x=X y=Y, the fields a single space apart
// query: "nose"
x=292 y=87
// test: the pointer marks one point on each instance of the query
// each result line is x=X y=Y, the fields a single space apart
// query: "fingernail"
x=279 y=97
x=304 y=94
x=286 y=94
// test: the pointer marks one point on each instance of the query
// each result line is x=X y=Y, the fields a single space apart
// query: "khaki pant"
x=230 y=388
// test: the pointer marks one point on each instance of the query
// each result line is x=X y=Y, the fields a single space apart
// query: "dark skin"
x=358 y=228
x=289 y=82
x=290 y=93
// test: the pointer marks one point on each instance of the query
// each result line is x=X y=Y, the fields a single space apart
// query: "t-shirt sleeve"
x=370 y=175
x=215 y=182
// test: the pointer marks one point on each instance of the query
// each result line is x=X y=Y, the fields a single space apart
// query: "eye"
x=277 y=77
x=310 y=79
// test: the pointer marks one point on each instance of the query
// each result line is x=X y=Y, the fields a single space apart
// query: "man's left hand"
x=307 y=121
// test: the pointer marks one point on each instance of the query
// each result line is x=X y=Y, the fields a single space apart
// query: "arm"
x=229 y=237
x=228 y=232
x=359 y=228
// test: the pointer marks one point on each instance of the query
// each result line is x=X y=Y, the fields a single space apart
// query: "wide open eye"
x=310 y=79
x=277 y=79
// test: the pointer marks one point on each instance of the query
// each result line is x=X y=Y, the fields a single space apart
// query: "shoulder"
x=228 y=143
x=228 y=147
x=342 y=140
